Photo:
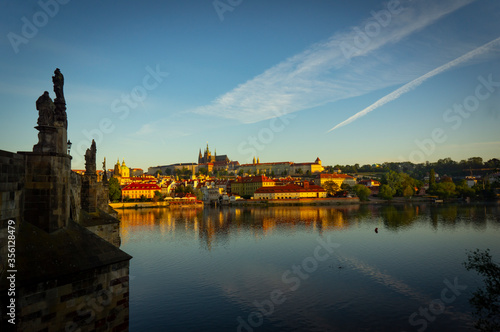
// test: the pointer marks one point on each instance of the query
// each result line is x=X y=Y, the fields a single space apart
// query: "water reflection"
x=206 y=267
x=215 y=226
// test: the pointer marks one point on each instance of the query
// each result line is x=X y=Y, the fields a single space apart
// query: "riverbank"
x=286 y=202
x=298 y=201
x=147 y=205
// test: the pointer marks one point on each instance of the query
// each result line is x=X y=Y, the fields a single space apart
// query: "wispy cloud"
x=323 y=73
x=416 y=82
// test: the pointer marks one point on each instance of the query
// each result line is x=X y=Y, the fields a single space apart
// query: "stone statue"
x=58 y=80
x=90 y=155
x=59 y=101
x=45 y=108
x=104 y=175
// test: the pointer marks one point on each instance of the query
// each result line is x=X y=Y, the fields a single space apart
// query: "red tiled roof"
x=289 y=188
x=250 y=179
x=142 y=186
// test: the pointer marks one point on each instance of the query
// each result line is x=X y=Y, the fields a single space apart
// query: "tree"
x=331 y=187
x=486 y=301
x=157 y=196
x=463 y=189
x=362 y=192
x=203 y=171
x=345 y=186
x=432 y=177
x=398 y=182
x=475 y=162
x=493 y=163
x=298 y=171
x=445 y=189
x=199 y=194
x=114 y=189
x=408 y=191
x=386 y=192
x=366 y=168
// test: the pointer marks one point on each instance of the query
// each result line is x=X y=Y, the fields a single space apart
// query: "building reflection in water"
x=216 y=226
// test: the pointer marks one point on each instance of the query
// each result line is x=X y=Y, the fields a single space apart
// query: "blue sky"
x=153 y=81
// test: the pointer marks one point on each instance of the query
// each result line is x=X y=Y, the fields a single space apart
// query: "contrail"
x=416 y=82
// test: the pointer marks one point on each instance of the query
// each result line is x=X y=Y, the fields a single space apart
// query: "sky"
x=346 y=81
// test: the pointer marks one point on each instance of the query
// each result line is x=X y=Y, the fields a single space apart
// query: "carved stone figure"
x=45 y=108
x=59 y=101
x=90 y=155
x=58 y=80
x=104 y=175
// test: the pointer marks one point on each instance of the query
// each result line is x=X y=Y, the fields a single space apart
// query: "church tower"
x=125 y=171
x=117 y=170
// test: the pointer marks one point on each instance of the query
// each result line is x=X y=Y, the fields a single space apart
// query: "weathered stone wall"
x=96 y=300
x=103 y=197
x=89 y=193
x=109 y=232
x=11 y=197
x=11 y=187
x=75 y=180
x=47 y=199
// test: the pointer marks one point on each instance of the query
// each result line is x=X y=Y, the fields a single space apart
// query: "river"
x=346 y=268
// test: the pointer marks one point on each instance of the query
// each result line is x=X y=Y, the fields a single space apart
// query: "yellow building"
x=339 y=179
x=121 y=170
x=290 y=191
x=304 y=168
x=282 y=168
x=246 y=186
x=137 y=190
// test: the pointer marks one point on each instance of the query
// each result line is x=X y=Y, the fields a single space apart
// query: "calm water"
x=305 y=268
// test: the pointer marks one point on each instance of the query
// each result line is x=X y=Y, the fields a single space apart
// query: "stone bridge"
x=66 y=247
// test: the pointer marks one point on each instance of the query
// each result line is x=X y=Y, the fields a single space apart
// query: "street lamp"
x=69 y=146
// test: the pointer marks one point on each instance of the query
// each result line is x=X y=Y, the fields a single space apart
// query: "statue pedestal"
x=89 y=193
x=47 y=192
x=51 y=139
x=47 y=139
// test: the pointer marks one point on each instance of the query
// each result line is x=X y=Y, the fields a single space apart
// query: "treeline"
x=446 y=166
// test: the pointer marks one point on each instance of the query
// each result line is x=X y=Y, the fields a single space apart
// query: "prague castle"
x=207 y=157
